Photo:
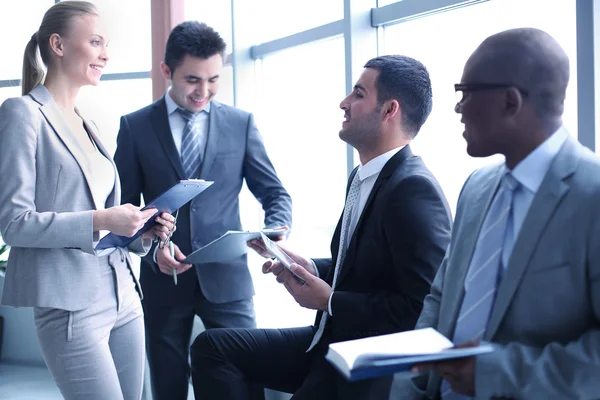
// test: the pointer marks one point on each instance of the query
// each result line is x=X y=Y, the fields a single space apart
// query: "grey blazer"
x=546 y=319
x=46 y=207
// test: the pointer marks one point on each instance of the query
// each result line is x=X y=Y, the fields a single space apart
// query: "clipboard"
x=168 y=201
x=227 y=247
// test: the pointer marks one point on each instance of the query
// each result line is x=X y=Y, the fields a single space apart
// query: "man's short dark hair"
x=194 y=38
x=405 y=80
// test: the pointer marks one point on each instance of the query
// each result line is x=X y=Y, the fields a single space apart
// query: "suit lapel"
x=545 y=202
x=214 y=124
x=388 y=169
x=472 y=218
x=53 y=115
x=160 y=123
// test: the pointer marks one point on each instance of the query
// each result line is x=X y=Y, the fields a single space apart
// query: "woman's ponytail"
x=33 y=74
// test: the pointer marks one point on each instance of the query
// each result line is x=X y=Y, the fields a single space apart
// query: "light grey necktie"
x=191 y=152
x=345 y=235
x=485 y=270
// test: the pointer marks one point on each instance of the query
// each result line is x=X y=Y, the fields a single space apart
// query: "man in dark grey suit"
x=524 y=276
x=188 y=135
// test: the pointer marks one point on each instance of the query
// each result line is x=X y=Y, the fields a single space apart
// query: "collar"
x=375 y=165
x=531 y=170
x=172 y=106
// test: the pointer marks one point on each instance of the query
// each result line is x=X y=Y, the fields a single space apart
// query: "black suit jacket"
x=149 y=164
x=393 y=255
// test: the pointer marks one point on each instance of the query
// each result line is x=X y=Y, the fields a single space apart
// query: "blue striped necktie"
x=485 y=270
x=191 y=156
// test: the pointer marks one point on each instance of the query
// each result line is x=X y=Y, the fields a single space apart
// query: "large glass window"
x=216 y=14
x=129 y=28
x=443 y=42
x=8 y=92
x=299 y=117
x=106 y=103
x=274 y=19
x=18 y=21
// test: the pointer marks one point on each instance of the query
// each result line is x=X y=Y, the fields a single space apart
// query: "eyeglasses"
x=462 y=88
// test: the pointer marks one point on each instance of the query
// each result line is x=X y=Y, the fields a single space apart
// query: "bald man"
x=523 y=267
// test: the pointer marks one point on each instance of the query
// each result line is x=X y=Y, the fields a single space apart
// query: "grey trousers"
x=97 y=353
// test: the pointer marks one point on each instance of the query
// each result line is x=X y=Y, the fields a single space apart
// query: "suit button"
x=194 y=208
x=195 y=242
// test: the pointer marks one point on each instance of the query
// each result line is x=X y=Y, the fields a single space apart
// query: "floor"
x=24 y=382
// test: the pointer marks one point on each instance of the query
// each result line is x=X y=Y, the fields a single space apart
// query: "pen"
x=172 y=252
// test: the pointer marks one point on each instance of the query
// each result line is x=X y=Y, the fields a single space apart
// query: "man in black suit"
x=186 y=134
x=386 y=250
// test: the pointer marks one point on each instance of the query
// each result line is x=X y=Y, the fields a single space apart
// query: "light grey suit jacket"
x=46 y=207
x=546 y=319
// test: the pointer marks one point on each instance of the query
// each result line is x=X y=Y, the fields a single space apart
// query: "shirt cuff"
x=329 y=304
x=315 y=268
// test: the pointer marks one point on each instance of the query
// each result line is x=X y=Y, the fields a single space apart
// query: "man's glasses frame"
x=461 y=88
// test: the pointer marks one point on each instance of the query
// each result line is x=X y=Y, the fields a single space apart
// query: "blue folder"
x=169 y=201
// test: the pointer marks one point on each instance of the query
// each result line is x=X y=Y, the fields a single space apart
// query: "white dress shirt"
x=530 y=173
x=368 y=174
x=177 y=123
x=102 y=182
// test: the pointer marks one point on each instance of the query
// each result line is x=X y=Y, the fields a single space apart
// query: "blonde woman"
x=60 y=194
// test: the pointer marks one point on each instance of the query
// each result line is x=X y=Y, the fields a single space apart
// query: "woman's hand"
x=124 y=220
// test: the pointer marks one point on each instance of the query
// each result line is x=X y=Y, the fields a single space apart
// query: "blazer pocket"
x=545 y=268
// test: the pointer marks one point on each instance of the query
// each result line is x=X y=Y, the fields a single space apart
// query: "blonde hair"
x=58 y=19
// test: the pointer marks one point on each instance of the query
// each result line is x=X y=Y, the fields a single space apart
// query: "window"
x=16 y=35
x=216 y=14
x=129 y=31
x=8 y=92
x=299 y=118
x=274 y=19
x=443 y=42
x=106 y=103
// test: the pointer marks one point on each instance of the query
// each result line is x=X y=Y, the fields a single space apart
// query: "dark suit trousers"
x=168 y=337
x=226 y=361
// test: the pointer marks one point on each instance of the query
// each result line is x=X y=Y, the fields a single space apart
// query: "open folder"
x=388 y=354
x=229 y=246
x=169 y=201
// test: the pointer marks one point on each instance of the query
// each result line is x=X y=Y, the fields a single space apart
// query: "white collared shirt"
x=530 y=173
x=177 y=123
x=368 y=174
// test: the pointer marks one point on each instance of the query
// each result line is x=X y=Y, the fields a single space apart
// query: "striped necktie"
x=485 y=270
x=191 y=156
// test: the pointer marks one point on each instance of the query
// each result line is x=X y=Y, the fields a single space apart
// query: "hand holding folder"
x=397 y=352
x=169 y=201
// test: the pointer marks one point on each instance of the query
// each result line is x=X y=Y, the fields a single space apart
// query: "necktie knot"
x=188 y=116
x=510 y=182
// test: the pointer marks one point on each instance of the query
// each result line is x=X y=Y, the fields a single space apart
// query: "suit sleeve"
x=557 y=370
x=263 y=182
x=128 y=166
x=132 y=181
x=21 y=224
x=417 y=230
x=324 y=265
